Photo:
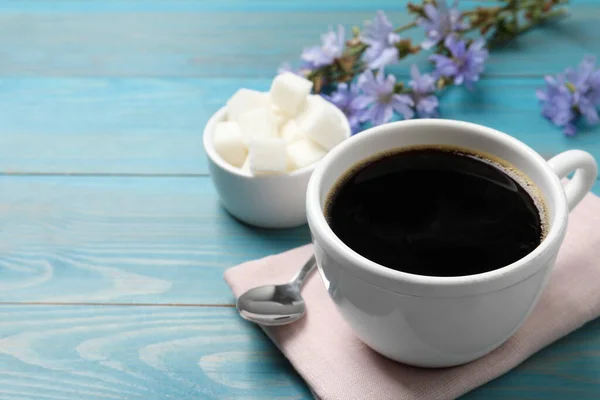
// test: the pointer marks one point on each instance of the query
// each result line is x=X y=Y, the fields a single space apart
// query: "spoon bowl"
x=273 y=305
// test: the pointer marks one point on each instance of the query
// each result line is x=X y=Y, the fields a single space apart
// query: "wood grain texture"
x=138 y=353
x=86 y=6
x=140 y=240
x=567 y=369
x=49 y=352
x=124 y=87
x=220 y=39
x=151 y=126
x=124 y=240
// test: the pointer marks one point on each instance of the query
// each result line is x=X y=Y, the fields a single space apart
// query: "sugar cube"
x=246 y=167
x=227 y=141
x=303 y=152
x=245 y=100
x=321 y=123
x=309 y=107
x=289 y=91
x=259 y=123
x=291 y=131
x=279 y=116
x=267 y=155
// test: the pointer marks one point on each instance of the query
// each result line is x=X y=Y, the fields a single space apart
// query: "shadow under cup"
x=425 y=320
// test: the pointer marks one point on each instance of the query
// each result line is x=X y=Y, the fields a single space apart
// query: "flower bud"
x=415 y=9
x=441 y=83
x=353 y=42
x=346 y=64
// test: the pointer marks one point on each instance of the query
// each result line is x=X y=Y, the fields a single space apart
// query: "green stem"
x=405 y=27
x=356 y=50
x=512 y=9
x=542 y=19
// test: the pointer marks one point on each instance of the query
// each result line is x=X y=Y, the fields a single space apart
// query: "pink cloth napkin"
x=337 y=365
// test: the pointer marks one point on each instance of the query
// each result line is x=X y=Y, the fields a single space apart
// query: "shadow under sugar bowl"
x=441 y=321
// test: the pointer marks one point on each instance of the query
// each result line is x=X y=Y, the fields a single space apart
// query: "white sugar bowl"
x=266 y=201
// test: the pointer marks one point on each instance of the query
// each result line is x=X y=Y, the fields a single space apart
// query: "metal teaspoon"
x=274 y=305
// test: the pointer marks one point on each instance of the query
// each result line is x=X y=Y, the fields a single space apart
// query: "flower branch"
x=351 y=72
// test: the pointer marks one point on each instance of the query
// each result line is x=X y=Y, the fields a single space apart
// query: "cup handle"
x=586 y=171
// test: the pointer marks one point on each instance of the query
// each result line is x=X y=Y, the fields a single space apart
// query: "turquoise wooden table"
x=112 y=240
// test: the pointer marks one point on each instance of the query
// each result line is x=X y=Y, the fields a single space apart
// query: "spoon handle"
x=301 y=276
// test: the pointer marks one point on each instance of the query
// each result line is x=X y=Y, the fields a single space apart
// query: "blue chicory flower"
x=572 y=94
x=345 y=98
x=332 y=47
x=378 y=95
x=465 y=63
x=440 y=22
x=423 y=93
x=379 y=35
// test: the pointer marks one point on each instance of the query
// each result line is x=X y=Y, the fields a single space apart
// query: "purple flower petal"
x=439 y=22
x=421 y=84
x=429 y=43
x=402 y=99
x=457 y=47
x=477 y=45
x=384 y=114
x=541 y=94
x=348 y=99
x=332 y=47
x=402 y=104
x=588 y=110
x=393 y=38
x=444 y=65
x=572 y=94
x=466 y=64
x=378 y=91
x=431 y=12
x=423 y=89
x=428 y=106
x=366 y=82
x=385 y=57
x=363 y=101
x=388 y=84
x=379 y=35
x=379 y=114
x=570 y=129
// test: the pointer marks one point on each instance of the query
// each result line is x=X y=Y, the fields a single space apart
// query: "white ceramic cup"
x=266 y=201
x=441 y=321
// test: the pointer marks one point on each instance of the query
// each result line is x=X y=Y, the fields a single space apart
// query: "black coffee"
x=436 y=212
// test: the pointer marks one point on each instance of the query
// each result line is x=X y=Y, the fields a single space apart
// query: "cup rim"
x=389 y=278
x=212 y=154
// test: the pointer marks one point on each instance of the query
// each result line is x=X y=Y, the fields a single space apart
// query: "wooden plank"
x=197 y=352
x=132 y=240
x=204 y=5
x=124 y=240
x=100 y=353
x=154 y=126
x=197 y=38
x=107 y=125
x=568 y=369
x=83 y=6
